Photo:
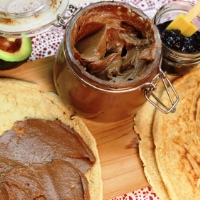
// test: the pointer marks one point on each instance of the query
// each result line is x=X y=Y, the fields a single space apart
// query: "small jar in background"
x=174 y=62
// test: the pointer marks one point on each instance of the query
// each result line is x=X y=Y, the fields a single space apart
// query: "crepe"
x=178 y=150
x=143 y=126
x=22 y=100
x=170 y=144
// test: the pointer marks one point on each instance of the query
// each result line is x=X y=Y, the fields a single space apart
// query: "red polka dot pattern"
x=142 y=194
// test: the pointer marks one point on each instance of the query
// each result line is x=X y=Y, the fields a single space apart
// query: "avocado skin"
x=5 y=65
x=13 y=60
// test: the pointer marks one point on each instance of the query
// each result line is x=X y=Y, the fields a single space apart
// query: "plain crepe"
x=170 y=144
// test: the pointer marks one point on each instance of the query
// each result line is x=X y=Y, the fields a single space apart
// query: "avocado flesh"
x=15 y=59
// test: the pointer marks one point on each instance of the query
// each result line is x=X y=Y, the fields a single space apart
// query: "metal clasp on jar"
x=155 y=99
x=63 y=21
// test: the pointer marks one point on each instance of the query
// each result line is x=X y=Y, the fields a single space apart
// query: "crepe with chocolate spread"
x=170 y=144
x=45 y=151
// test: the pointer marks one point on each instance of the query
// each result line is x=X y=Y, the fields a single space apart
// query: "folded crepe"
x=170 y=143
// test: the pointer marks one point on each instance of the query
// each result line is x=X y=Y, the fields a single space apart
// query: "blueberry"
x=176 y=41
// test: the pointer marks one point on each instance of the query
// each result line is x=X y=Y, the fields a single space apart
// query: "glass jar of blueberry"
x=180 y=54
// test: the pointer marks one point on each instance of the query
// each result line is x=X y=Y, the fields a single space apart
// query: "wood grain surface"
x=122 y=170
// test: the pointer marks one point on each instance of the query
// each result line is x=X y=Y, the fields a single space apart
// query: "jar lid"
x=25 y=18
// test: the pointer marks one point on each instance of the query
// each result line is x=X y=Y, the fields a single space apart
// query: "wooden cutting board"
x=122 y=170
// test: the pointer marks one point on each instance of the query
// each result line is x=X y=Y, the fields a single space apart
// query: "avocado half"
x=14 y=52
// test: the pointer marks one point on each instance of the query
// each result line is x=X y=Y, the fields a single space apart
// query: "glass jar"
x=96 y=98
x=176 y=63
x=26 y=18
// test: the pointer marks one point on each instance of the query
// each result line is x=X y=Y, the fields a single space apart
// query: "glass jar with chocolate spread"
x=109 y=61
x=180 y=54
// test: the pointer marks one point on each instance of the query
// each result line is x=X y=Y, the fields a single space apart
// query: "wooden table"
x=122 y=170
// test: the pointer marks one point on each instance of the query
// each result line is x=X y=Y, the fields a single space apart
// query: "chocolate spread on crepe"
x=54 y=180
x=43 y=159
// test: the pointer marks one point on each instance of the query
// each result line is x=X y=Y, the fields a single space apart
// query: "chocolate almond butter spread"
x=43 y=159
x=113 y=42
